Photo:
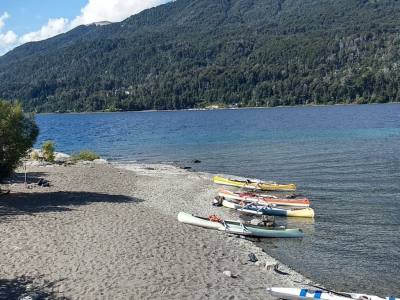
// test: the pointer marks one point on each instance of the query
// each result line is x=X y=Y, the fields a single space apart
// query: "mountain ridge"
x=190 y=53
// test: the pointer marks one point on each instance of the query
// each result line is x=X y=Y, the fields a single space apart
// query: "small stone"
x=227 y=273
x=252 y=257
x=196 y=161
x=269 y=266
x=30 y=296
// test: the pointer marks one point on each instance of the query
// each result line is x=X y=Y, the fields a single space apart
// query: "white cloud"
x=93 y=11
x=52 y=28
x=3 y=17
x=112 y=10
x=7 y=39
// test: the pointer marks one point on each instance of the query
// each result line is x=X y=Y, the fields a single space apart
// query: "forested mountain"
x=190 y=53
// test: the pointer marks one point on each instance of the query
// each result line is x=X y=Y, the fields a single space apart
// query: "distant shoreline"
x=222 y=108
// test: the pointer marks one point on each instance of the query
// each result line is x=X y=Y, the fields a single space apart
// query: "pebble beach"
x=103 y=231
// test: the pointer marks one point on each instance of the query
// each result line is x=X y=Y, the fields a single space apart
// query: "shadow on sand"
x=32 y=177
x=17 y=288
x=32 y=203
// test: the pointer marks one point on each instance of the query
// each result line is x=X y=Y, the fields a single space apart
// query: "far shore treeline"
x=192 y=54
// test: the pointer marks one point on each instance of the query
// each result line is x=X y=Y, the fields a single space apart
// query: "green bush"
x=85 y=155
x=18 y=133
x=48 y=149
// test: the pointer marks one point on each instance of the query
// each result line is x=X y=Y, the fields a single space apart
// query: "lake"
x=346 y=159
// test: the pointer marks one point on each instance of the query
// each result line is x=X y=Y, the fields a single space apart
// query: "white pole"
x=26 y=183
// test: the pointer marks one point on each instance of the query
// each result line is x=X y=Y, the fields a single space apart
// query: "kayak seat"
x=303 y=292
x=317 y=294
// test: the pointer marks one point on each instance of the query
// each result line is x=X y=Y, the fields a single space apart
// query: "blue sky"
x=23 y=21
x=30 y=15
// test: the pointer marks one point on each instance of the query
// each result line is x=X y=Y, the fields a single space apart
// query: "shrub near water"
x=35 y=155
x=18 y=133
x=85 y=155
x=48 y=149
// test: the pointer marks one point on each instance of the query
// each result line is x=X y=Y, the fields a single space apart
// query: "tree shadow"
x=17 y=288
x=32 y=203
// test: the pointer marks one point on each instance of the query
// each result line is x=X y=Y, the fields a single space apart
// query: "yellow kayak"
x=252 y=184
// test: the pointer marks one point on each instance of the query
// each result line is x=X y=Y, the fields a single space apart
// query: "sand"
x=110 y=232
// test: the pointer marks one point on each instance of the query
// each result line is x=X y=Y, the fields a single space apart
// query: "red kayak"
x=264 y=199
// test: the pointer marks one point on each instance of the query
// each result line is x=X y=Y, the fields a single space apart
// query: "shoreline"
x=222 y=108
x=133 y=198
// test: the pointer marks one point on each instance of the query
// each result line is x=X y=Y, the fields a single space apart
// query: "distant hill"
x=191 y=53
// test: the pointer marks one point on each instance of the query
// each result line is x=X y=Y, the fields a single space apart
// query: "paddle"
x=327 y=290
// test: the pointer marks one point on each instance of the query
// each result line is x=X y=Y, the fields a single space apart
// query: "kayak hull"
x=309 y=294
x=234 y=227
x=270 y=211
x=248 y=184
x=250 y=197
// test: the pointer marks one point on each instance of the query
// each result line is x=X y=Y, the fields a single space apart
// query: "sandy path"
x=101 y=232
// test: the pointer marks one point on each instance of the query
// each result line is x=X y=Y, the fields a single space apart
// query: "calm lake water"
x=345 y=158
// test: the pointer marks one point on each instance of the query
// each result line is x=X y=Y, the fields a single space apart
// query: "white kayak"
x=236 y=227
x=263 y=210
x=312 y=294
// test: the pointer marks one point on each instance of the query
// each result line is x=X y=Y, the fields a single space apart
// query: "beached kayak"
x=252 y=197
x=254 y=184
x=304 y=294
x=235 y=227
x=262 y=210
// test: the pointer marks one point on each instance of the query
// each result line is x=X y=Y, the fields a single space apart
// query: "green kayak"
x=236 y=227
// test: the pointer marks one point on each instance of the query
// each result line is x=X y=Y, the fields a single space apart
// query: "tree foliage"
x=190 y=53
x=18 y=133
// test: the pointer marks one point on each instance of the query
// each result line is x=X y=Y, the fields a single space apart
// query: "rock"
x=196 y=161
x=100 y=161
x=269 y=266
x=252 y=257
x=30 y=296
x=229 y=274
x=61 y=157
x=43 y=182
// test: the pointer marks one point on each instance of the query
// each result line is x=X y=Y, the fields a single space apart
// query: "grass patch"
x=85 y=155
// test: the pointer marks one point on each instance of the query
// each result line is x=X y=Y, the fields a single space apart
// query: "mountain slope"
x=189 y=53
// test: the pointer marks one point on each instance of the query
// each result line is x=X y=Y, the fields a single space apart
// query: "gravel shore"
x=110 y=232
